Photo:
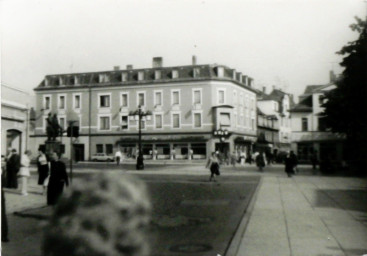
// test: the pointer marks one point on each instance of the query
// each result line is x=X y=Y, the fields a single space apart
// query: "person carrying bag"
x=213 y=165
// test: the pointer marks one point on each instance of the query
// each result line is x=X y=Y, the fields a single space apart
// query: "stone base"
x=53 y=146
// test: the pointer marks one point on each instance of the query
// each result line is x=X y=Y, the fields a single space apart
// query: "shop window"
x=109 y=149
x=99 y=148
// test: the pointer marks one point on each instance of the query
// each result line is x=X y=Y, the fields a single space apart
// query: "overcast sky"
x=284 y=43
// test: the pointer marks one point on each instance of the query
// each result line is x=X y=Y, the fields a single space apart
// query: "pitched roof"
x=305 y=105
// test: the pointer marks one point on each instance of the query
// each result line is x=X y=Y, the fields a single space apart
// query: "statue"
x=53 y=128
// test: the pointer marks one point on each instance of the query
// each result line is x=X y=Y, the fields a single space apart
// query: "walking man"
x=118 y=156
x=12 y=169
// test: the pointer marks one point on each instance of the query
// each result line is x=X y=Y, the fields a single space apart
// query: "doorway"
x=14 y=140
x=78 y=152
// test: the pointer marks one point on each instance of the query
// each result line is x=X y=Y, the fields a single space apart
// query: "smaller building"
x=309 y=135
x=274 y=125
x=14 y=119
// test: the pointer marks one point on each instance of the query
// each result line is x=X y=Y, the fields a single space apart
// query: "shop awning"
x=247 y=139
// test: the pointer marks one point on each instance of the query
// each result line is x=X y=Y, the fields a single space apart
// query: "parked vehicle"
x=102 y=157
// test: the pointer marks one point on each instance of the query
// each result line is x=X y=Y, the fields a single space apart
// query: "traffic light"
x=75 y=131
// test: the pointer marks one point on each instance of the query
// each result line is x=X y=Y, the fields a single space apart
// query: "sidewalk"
x=307 y=215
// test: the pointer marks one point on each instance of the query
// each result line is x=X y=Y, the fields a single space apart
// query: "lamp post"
x=138 y=116
x=71 y=125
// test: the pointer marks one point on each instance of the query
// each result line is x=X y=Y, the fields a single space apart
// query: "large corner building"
x=187 y=103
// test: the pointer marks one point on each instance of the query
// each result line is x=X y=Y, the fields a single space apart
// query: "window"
x=99 y=148
x=124 y=122
x=235 y=120
x=221 y=97
x=275 y=106
x=252 y=104
x=158 y=98
x=322 y=124
x=176 y=120
x=225 y=120
x=104 y=123
x=142 y=123
x=141 y=99
x=62 y=102
x=124 y=77
x=197 y=97
x=304 y=124
x=124 y=100
x=109 y=149
x=242 y=121
x=175 y=98
x=62 y=122
x=77 y=101
x=321 y=99
x=47 y=102
x=104 y=101
x=140 y=75
x=174 y=73
x=158 y=121
x=197 y=120
x=157 y=74
x=196 y=72
x=246 y=101
x=253 y=124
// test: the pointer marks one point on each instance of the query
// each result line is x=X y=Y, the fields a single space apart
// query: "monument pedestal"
x=53 y=146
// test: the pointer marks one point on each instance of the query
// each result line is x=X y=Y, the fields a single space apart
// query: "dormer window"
x=174 y=73
x=104 y=78
x=141 y=75
x=124 y=77
x=61 y=81
x=157 y=74
x=220 y=71
x=196 y=72
x=76 y=80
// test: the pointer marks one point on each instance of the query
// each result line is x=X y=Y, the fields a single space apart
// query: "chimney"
x=116 y=68
x=250 y=80
x=129 y=67
x=264 y=89
x=193 y=60
x=245 y=80
x=332 y=76
x=274 y=87
x=157 y=62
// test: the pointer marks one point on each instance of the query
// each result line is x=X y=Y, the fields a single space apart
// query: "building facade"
x=187 y=104
x=15 y=124
x=309 y=133
x=274 y=124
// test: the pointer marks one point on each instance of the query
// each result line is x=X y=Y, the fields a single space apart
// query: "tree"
x=346 y=105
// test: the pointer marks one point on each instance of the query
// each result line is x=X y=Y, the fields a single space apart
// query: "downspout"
x=89 y=123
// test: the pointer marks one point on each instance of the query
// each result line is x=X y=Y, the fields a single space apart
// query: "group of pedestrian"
x=52 y=176
x=291 y=162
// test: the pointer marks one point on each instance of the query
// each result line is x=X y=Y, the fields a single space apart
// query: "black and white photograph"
x=183 y=127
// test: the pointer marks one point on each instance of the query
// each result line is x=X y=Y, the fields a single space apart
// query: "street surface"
x=306 y=215
x=190 y=214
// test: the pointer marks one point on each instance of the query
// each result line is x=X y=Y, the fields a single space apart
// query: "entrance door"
x=78 y=152
x=13 y=140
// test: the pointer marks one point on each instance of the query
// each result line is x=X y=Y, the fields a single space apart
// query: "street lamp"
x=139 y=115
x=222 y=135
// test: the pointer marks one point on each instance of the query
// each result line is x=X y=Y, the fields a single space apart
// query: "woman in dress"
x=58 y=178
x=24 y=173
x=43 y=168
x=260 y=161
x=213 y=164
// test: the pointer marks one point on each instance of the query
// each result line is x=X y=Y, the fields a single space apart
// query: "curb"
x=235 y=242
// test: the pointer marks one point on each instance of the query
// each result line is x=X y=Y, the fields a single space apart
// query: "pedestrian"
x=118 y=156
x=43 y=169
x=260 y=161
x=103 y=214
x=12 y=169
x=288 y=162
x=173 y=153
x=213 y=165
x=314 y=160
x=294 y=162
x=243 y=157
x=24 y=172
x=4 y=221
x=57 y=180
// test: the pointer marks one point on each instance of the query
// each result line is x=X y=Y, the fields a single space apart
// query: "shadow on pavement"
x=353 y=199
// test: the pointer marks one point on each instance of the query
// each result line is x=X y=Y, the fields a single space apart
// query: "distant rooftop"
x=141 y=76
